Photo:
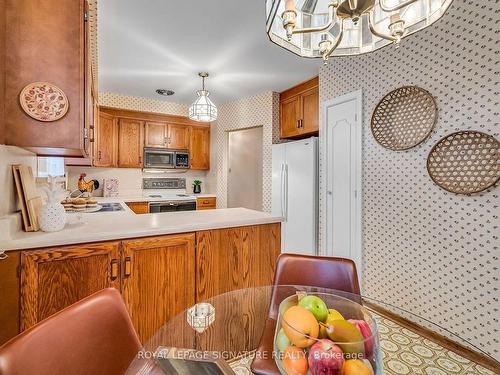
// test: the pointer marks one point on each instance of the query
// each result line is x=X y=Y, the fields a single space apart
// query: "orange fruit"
x=356 y=367
x=294 y=361
x=298 y=322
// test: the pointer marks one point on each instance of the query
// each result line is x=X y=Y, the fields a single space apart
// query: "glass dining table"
x=223 y=335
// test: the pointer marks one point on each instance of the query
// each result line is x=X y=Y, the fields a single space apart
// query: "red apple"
x=366 y=332
x=325 y=358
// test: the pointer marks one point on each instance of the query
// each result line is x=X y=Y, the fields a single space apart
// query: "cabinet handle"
x=128 y=265
x=114 y=269
x=301 y=123
x=298 y=124
x=99 y=155
x=165 y=140
x=3 y=255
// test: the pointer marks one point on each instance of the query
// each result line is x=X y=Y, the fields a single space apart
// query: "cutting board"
x=29 y=198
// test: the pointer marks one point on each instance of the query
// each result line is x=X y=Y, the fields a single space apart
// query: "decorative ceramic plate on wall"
x=465 y=162
x=404 y=118
x=44 y=101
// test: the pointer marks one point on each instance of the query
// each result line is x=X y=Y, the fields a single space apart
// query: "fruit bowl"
x=328 y=334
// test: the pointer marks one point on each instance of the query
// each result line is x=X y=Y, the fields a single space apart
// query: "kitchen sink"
x=109 y=207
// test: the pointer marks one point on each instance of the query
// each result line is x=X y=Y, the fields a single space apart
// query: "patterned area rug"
x=406 y=353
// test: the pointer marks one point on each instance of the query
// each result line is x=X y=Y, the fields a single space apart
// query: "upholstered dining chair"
x=92 y=336
x=293 y=269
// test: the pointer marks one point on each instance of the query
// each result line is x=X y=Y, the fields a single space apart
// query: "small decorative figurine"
x=87 y=187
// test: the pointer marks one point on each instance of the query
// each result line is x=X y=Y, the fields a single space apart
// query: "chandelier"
x=324 y=28
x=203 y=109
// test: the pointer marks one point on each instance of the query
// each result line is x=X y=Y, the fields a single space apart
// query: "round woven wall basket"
x=465 y=162
x=404 y=118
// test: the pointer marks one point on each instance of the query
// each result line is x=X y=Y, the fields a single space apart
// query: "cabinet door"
x=54 y=278
x=290 y=116
x=310 y=111
x=158 y=280
x=236 y=258
x=105 y=141
x=156 y=134
x=130 y=143
x=139 y=207
x=10 y=293
x=200 y=148
x=178 y=136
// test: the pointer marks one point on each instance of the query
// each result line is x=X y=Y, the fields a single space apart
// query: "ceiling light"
x=324 y=28
x=203 y=109
x=165 y=92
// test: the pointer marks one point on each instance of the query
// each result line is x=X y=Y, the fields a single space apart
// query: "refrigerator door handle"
x=286 y=192
x=282 y=188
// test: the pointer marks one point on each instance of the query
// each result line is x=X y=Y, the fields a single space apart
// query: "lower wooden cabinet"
x=158 y=277
x=139 y=207
x=235 y=258
x=54 y=278
x=158 y=280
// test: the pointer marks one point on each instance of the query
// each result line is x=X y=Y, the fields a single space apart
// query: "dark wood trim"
x=151 y=116
x=300 y=88
x=439 y=339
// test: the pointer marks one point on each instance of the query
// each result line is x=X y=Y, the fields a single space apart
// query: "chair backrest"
x=316 y=271
x=92 y=336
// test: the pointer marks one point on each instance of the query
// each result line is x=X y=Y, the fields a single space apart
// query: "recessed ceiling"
x=146 y=45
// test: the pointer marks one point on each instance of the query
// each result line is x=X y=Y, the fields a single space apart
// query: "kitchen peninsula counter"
x=125 y=224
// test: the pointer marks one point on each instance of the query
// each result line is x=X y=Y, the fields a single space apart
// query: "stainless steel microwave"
x=161 y=158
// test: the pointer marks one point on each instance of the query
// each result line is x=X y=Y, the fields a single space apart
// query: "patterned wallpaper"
x=136 y=103
x=425 y=249
x=258 y=110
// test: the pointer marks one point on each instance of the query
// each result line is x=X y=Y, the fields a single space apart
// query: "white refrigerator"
x=295 y=194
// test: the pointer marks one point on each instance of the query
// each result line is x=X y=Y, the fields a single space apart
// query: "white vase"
x=52 y=217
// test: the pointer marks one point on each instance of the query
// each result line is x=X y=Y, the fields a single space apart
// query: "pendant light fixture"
x=203 y=109
x=325 y=28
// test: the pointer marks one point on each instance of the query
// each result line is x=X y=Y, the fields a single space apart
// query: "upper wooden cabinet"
x=200 y=148
x=178 y=136
x=163 y=135
x=45 y=41
x=105 y=145
x=54 y=278
x=299 y=110
x=135 y=130
x=156 y=134
x=130 y=143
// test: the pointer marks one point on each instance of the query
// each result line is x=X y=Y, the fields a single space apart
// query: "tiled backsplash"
x=130 y=179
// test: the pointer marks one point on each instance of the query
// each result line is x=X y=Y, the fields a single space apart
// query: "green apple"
x=315 y=305
x=282 y=341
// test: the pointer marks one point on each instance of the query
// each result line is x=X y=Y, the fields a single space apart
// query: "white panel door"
x=300 y=229
x=342 y=153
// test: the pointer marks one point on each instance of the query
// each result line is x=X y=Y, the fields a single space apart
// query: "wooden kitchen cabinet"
x=156 y=134
x=54 y=278
x=299 y=110
x=105 y=145
x=45 y=41
x=178 y=136
x=9 y=295
x=130 y=143
x=236 y=258
x=208 y=203
x=200 y=148
x=158 y=280
x=139 y=207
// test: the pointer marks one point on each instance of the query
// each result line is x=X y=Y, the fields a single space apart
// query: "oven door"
x=159 y=159
x=156 y=207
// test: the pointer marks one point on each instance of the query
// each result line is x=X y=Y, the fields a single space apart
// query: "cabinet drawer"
x=206 y=203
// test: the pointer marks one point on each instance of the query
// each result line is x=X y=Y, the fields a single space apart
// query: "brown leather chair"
x=92 y=336
x=292 y=269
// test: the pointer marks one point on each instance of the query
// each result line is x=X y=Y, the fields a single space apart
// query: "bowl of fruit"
x=328 y=334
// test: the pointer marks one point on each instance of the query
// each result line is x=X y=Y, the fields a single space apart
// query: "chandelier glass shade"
x=203 y=109
x=324 y=28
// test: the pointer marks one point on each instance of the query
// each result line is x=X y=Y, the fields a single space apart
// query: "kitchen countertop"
x=125 y=224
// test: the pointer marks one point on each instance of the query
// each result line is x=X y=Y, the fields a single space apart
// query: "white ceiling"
x=145 y=45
